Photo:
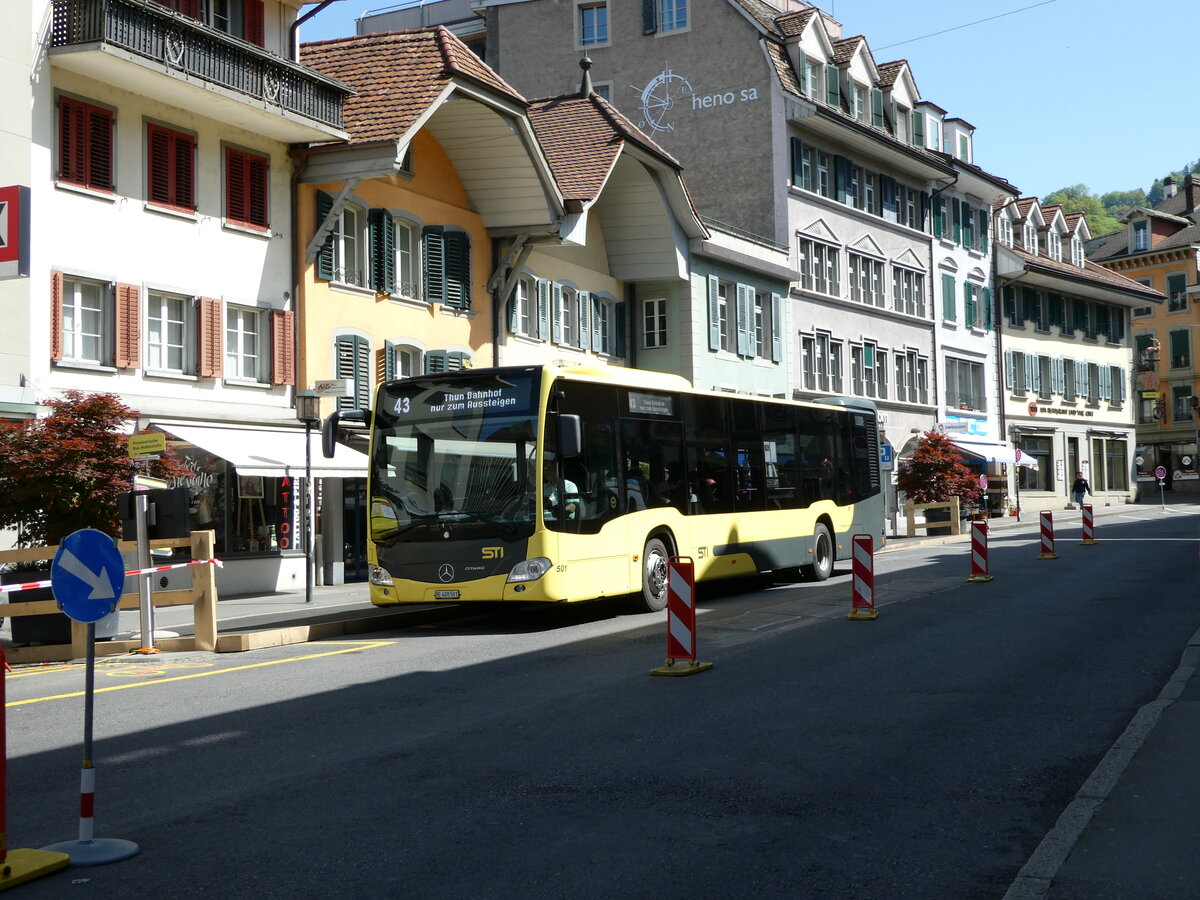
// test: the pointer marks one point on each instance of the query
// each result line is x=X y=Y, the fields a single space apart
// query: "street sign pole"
x=141 y=509
x=1161 y=474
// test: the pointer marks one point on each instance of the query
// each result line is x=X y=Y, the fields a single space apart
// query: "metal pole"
x=308 y=537
x=141 y=506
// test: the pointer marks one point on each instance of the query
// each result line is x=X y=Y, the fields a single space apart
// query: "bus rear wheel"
x=822 y=565
x=654 y=575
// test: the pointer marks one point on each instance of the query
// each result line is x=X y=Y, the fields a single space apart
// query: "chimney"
x=1169 y=189
x=585 y=86
x=1191 y=188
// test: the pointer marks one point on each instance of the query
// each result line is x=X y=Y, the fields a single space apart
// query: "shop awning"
x=1000 y=453
x=269 y=452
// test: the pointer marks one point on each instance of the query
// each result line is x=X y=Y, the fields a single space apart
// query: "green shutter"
x=436 y=361
x=797 y=162
x=983 y=231
x=745 y=320
x=457 y=279
x=512 y=308
x=389 y=360
x=383 y=250
x=325 y=254
x=969 y=305
x=918 y=128
x=434 y=245
x=939 y=217
x=543 y=309
x=619 y=329
x=649 y=16
x=556 y=314
x=877 y=108
x=841 y=173
x=776 y=327
x=948 y=301
x=956 y=209
x=988 y=315
x=584 y=299
x=832 y=92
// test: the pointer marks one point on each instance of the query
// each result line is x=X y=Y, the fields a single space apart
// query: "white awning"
x=1001 y=453
x=269 y=452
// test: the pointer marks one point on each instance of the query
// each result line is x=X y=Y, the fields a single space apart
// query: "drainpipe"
x=294 y=30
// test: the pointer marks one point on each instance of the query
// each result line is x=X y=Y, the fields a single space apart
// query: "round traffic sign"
x=87 y=575
x=1160 y=472
x=983 y=482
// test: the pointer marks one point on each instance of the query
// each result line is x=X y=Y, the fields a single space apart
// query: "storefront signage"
x=953 y=427
x=1042 y=409
x=668 y=91
x=14 y=231
x=1151 y=395
x=336 y=387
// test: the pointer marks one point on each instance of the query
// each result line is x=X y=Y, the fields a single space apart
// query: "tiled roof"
x=397 y=75
x=1090 y=272
x=890 y=71
x=792 y=24
x=843 y=50
x=582 y=137
x=1024 y=205
x=763 y=13
x=1073 y=220
x=783 y=67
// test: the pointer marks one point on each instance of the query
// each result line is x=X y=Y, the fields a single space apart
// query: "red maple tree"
x=935 y=473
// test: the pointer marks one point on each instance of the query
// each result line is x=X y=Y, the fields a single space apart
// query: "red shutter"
x=56 y=313
x=212 y=339
x=246 y=181
x=235 y=185
x=258 y=191
x=170 y=179
x=100 y=149
x=72 y=163
x=283 y=342
x=129 y=327
x=185 y=171
x=253 y=26
x=159 y=175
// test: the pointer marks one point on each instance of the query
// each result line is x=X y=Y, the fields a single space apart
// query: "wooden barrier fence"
x=954 y=524
x=202 y=595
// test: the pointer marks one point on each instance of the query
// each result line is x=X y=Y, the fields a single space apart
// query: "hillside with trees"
x=1103 y=212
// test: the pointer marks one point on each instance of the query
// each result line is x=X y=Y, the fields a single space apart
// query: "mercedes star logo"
x=446 y=572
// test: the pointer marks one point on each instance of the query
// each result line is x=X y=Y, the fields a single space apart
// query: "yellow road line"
x=355 y=645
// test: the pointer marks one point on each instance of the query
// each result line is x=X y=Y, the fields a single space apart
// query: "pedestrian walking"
x=1079 y=488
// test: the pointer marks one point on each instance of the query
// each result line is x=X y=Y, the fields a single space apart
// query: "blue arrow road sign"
x=87 y=575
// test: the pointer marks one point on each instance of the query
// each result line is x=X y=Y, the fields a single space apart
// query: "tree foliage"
x=935 y=473
x=63 y=472
x=1077 y=198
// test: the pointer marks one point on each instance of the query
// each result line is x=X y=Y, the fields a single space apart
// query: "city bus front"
x=454 y=489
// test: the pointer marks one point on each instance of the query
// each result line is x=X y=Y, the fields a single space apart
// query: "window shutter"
x=956 y=208
x=556 y=312
x=924 y=210
x=435 y=263
x=969 y=305
x=983 y=231
x=512 y=308
x=918 y=128
x=212 y=339
x=584 y=299
x=714 y=313
x=187 y=7
x=56 y=315
x=383 y=250
x=1105 y=383
x=100 y=129
x=776 y=328
x=253 y=26
x=72 y=121
x=283 y=346
x=841 y=169
x=385 y=362
x=1010 y=370
x=988 y=314
x=128 y=330
x=1058 y=375
x=939 y=217
x=599 y=342
x=1031 y=369
x=832 y=92
x=797 y=162
x=745 y=320
x=948 y=300
x=158 y=179
x=353 y=362
x=436 y=361
x=877 y=107
x=649 y=16
x=543 y=309
x=619 y=330
x=458 y=269
x=325 y=254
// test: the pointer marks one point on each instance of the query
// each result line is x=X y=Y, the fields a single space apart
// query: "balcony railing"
x=191 y=47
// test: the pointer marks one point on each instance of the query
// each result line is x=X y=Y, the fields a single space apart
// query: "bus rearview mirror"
x=329 y=428
x=570 y=435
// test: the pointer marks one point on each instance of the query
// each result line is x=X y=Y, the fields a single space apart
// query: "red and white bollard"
x=1047 y=535
x=681 y=620
x=862 y=602
x=979 y=552
x=1089 y=526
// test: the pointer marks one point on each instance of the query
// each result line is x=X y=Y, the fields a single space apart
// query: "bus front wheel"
x=654 y=575
x=822 y=565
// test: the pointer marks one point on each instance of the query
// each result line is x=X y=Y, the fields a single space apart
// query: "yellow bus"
x=540 y=483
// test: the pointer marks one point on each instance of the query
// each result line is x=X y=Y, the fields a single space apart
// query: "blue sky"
x=1061 y=92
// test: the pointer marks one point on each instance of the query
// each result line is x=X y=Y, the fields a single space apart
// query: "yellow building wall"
x=433 y=195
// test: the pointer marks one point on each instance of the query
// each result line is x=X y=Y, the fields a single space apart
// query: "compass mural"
x=659 y=97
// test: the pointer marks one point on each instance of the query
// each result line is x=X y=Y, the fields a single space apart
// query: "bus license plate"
x=445 y=595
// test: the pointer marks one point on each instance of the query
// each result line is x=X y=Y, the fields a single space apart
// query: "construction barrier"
x=1047 y=518
x=862 y=602
x=1089 y=526
x=681 y=620
x=979 y=552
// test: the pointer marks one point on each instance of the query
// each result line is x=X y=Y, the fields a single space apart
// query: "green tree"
x=63 y=472
x=1078 y=199
x=1117 y=203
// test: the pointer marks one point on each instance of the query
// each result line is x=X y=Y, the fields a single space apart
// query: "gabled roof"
x=844 y=50
x=792 y=24
x=398 y=75
x=890 y=71
x=1092 y=273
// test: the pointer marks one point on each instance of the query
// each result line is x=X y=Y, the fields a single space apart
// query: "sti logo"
x=493 y=552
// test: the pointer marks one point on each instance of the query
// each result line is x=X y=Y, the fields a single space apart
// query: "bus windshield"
x=454 y=453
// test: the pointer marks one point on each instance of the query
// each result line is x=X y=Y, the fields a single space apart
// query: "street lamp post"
x=308 y=411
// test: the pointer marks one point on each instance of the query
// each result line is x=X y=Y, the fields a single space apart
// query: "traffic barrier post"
x=1047 y=518
x=681 y=620
x=979 y=553
x=862 y=597
x=1089 y=526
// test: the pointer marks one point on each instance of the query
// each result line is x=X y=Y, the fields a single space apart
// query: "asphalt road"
x=923 y=754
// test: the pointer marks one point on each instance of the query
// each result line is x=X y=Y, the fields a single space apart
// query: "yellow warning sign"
x=146 y=445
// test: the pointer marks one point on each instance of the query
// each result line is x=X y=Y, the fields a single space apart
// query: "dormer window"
x=1141 y=235
x=1004 y=230
x=860 y=102
x=812 y=78
x=964 y=147
x=1076 y=251
x=900 y=121
x=1053 y=245
x=1030 y=239
x=935 y=133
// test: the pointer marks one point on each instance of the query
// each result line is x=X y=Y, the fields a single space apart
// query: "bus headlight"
x=529 y=570
x=380 y=576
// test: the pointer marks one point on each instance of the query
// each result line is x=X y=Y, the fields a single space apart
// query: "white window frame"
x=866 y=279
x=525 y=298
x=727 y=315
x=673 y=15
x=654 y=323
x=407 y=235
x=604 y=336
x=819 y=265
x=171 y=337
x=351 y=246
x=598 y=9
x=568 y=316
x=88 y=321
x=245 y=347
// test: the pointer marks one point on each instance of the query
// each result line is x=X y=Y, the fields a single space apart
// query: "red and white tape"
x=30 y=585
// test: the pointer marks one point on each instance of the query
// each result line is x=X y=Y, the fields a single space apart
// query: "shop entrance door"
x=354 y=528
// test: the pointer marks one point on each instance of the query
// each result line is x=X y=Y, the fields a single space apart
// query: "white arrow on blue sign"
x=87 y=575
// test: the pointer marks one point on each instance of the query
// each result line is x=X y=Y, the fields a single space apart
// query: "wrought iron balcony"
x=189 y=49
